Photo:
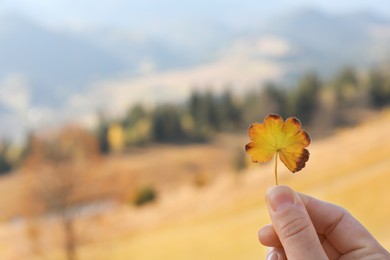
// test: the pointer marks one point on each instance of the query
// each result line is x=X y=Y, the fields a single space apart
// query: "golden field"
x=204 y=209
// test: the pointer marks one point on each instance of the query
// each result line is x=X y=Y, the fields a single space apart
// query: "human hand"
x=306 y=228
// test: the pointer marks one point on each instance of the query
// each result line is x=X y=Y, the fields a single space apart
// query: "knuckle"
x=294 y=228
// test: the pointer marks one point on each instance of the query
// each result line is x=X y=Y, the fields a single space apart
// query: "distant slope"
x=325 y=42
x=54 y=64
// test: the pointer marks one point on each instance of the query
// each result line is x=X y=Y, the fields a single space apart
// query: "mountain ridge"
x=54 y=67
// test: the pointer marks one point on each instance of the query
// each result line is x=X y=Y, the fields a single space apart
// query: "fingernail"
x=280 y=197
x=272 y=255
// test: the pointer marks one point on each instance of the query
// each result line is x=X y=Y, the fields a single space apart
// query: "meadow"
x=205 y=209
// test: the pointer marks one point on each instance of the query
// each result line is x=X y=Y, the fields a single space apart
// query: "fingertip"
x=278 y=187
x=276 y=253
x=268 y=237
x=280 y=197
x=263 y=234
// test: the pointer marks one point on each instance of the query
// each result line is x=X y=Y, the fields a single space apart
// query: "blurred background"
x=123 y=123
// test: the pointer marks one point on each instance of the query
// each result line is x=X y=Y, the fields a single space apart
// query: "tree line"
x=321 y=105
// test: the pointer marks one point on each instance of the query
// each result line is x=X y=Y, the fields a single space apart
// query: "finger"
x=293 y=225
x=338 y=225
x=276 y=253
x=268 y=237
x=330 y=250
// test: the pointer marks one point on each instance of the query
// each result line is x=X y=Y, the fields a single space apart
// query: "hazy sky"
x=75 y=14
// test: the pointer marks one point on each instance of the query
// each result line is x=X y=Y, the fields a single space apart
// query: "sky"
x=78 y=15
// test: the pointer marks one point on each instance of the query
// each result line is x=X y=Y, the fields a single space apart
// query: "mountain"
x=59 y=75
x=180 y=46
x=54 y=64
x=324 y=42
x=57 y=64
x=282 y=49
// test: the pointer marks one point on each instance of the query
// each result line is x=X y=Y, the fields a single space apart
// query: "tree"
x=204 y=111
x=258 y=104
x=211 y=111
x=116 y=137
x=59 y=184
x=134 y=114
x=195 y=108
x=305 y=98
x=251 y=107
x=230 y=112
x=379 y=89
x=349 y=97
x=276 y=99
x=5 y=164
x=136 y=125
x=166 y=124
x=345 y=85
x=102 y=133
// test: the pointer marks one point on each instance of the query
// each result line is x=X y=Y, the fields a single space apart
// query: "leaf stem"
x=276 y=168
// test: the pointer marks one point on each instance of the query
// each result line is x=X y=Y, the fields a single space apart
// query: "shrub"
x=201 y=179
x=144 y=196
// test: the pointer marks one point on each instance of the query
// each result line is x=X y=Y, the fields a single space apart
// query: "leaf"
x=275 y=136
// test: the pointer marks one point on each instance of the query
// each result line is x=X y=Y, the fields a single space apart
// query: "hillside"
x=220 y=220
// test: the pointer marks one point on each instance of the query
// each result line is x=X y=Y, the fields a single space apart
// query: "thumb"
x=293 y=225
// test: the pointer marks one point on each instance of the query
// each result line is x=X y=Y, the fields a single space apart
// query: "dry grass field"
x=220 y=218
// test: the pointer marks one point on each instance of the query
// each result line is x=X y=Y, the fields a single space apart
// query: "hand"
x=306 y=228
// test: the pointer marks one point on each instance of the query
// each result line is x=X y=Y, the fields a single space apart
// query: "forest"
x=323 y=105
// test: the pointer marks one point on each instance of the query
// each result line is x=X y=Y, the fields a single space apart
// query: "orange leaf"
x=275 y=136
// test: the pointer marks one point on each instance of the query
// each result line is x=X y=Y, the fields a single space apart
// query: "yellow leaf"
x=275 y=136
